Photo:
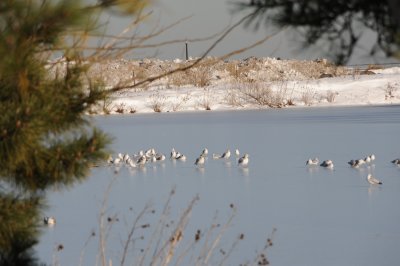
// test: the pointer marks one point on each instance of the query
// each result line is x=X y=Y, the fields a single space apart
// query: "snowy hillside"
x=243 y=84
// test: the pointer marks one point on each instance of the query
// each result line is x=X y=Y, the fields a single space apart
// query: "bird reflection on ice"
x=244 y=171
x=200 y=170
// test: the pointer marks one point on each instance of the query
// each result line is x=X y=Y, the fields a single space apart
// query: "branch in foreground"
x=200 y=59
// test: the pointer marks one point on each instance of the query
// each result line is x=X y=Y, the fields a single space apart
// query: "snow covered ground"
x=245 y=84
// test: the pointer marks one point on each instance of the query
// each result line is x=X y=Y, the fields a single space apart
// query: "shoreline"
x=290 y=108
x=249 y=84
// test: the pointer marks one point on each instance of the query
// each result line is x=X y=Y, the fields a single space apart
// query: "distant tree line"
x=340 y=23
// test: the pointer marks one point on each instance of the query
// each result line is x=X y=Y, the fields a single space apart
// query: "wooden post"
x=187 y=50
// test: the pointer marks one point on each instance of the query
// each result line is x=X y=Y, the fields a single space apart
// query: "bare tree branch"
x=198 y=60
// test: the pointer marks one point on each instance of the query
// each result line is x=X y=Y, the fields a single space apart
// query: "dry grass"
x=233 y=96
x=263 y=94
x=257 y=81
x=390 y=90
x=233 y=70
x=205 y=102
x=242 y=71
x=373 y=66
x=199 y=76
x=331 y=96
x=157 y=102
x=314 y=69
x=154 y=237
x=139 y=73
x=258 y=93
x=307 y=95
x=122 y=71
x=132 y=110
x=106 y=105
x=183 y=99
x=120 y=108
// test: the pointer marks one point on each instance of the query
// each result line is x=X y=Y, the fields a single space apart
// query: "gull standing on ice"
x=237 y=152
x=116 y=160
x=160 y=157
x=370 y=158
x=181 y=157
x=49 y=220
x=314 y=161
x=173 y=154
x=200 y=161
x=244 y=161
x=327 y=164
x=131 y=163
x=225 y=155
x=142 y=160
x=355 y=163
x=125 y=157
x=372 y=180
x=396 y=161
x=204 y=152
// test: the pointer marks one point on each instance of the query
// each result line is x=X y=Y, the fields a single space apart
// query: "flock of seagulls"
x=354 y=163
x=139 y=159
x=357 y=163
x=151 y=156
x=142 y=158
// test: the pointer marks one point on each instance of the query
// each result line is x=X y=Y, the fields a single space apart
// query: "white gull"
x=244 y=161
x=372 y=180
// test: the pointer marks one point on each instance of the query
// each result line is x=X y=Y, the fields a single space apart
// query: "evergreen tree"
x=46 y=140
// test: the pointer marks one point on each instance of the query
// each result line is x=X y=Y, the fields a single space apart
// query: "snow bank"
x=242 y=84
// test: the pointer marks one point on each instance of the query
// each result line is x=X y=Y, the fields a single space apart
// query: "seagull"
x=370 y=158
x=244 y=161
x=150 y=152
x=361 y=161
x=327 y=164
x=117 y=160
x=142 y=160
x=160 y=157
x=204 y=152
x=138 y=155
x=49 y=220
x=200 y=161
x=181 y=157
x=226 y=154
x=131 y=163
x=396 y=161
x=355 y=163
x=125 y=157
x=372 y=180
x=237 y=152
x=173 y=154
x=216 y=156
x=314 y=161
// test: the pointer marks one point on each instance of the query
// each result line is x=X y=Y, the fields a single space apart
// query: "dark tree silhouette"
x=341 y=23
x=46 y=140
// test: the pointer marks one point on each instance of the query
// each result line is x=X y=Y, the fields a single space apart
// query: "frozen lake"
x=322 y=217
